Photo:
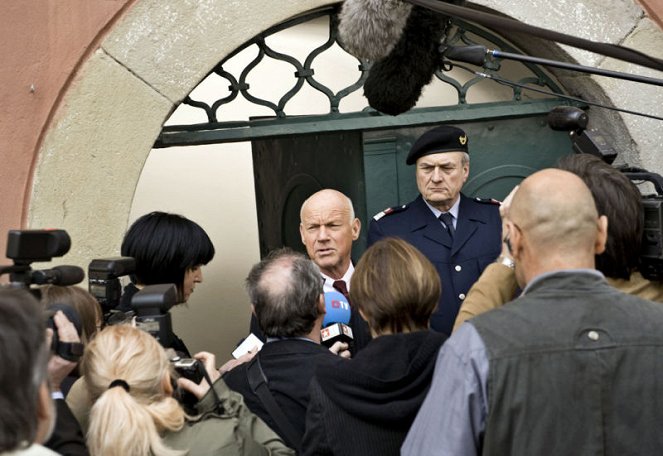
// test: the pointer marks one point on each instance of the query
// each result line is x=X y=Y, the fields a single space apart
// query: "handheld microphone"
x=369 y=29
x=337 y=316
x=59 y=275
x=337 y=309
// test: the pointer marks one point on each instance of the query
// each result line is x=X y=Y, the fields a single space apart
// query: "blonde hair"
x=129 y=422
x=395 y=287
x=85 y=305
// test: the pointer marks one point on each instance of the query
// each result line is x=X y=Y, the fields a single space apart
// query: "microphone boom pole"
x=476 y=55
x=574 y=67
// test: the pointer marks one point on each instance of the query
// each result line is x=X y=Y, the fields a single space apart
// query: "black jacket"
x=366 y=405
x=67 y=438
x=289 y=365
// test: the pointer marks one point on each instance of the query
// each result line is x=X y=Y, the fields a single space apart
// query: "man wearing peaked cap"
x=459 y=235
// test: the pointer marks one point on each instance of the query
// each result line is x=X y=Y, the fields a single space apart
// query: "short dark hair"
x=285 y=289
x=23 y=361
x=395 y=286
x=164 y=246
x=619 y=199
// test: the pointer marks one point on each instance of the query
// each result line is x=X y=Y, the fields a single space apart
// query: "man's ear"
x=301 y=233
x=514 y=237
x=602 y=235
x=321 y=305
x=45 y=413
x=356 y=229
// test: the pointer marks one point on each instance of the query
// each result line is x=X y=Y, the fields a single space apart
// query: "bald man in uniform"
x=573 y=364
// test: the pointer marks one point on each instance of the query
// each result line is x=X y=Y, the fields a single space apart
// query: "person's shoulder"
x=390 y=213
x=488 y=201
x=487 y=209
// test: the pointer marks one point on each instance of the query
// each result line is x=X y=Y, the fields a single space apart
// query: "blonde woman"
x=128 y=376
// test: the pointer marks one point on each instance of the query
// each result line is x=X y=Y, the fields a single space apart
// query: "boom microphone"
x=475 y=54
x=59 y=275
x=369 y=29
x=394 y=84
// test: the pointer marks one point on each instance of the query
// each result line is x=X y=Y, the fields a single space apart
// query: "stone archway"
x=159 y=51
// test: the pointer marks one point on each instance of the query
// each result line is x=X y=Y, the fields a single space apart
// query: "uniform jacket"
x=476 y=244
x=574 y=368
x=366 y=405
x=289 y=366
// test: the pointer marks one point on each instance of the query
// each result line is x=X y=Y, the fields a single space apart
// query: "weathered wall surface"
x=43 y=42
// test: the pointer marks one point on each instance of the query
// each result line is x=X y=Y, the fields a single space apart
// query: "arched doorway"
x=295 y=94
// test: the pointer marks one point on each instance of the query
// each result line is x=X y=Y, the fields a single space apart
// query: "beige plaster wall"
x=102 y=133
x=109 y=120
x=41 y=45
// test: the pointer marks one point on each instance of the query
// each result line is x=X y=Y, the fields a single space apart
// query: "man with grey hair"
x=286 y=294
x=458 y=234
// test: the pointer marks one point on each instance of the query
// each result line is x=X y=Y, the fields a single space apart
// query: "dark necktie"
x=342 y=288
x=448 y=220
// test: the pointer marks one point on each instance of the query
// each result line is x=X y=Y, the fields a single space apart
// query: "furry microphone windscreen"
x=369 y=29
x=394 y=84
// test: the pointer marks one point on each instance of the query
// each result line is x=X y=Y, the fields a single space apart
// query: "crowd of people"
x=477 y=328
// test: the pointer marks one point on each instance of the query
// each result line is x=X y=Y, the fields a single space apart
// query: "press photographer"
x=63 y=338
x=167 y=249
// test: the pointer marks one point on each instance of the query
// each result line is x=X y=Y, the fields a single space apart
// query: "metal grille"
x=304 y=75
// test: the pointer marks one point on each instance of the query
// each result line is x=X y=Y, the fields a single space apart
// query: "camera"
x=71 y=351
x=27 y=246
x=190 y=368
x=151 y=306
x=193 y=370
x=651 y=256
x=103 y=280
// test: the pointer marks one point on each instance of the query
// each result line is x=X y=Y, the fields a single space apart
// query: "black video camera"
x=103 y=280
x=651 y=257
x=151 y=306
x=25 y=247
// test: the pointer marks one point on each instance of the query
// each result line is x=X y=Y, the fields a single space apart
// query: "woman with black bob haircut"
x=168 y=248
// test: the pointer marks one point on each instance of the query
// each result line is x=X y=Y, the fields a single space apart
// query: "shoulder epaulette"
x=487 y=201
x=389 y=211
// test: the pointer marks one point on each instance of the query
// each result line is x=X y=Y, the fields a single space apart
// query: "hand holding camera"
x=65 y=333
x=192 y=371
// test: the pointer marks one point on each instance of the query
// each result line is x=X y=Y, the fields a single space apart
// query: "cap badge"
x=462 y=139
